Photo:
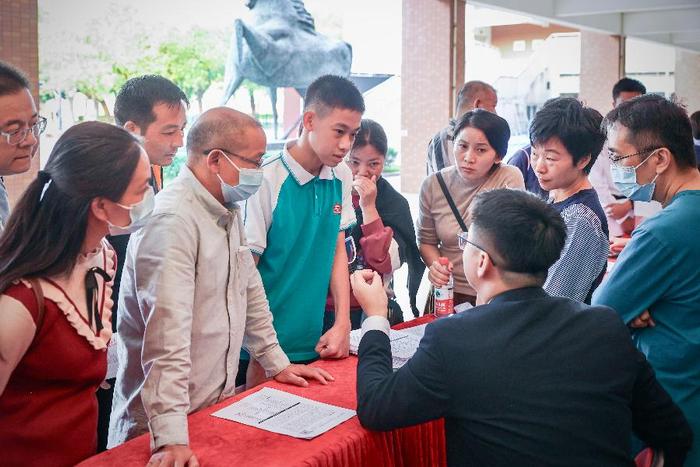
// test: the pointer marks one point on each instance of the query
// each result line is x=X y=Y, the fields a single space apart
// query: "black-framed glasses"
x=464 y=241
x=16 y=137
x=615 y=158
x=257 y=163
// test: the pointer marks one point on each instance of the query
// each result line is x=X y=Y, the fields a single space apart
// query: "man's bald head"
x=476 y=94
x=220 y=127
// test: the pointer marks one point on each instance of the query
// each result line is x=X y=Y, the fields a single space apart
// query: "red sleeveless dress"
x=48 y=410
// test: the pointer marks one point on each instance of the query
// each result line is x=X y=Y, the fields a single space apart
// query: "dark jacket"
x=527 y=380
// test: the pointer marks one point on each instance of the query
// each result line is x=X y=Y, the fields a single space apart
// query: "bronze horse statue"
x=281 y=49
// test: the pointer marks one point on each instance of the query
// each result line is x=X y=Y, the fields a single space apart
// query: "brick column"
x=432 y=71
x=600 y=69
x=687 y=75
x=19 y=46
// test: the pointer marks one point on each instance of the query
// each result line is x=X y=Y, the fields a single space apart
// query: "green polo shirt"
x=292 y=223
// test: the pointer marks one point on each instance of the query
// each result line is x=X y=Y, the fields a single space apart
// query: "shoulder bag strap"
x=451 y=202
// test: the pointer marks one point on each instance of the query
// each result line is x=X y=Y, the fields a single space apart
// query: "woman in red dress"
x=56 y=271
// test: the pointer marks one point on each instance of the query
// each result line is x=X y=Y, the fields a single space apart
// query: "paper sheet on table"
x=287 y=414
x=403 y=342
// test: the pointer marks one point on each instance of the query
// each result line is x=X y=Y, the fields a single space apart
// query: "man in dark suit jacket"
x=522 y=379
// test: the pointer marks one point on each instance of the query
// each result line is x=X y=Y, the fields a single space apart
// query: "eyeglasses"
x=615 y=159
x=257 y=163
x=464 y=241
x=16 y=137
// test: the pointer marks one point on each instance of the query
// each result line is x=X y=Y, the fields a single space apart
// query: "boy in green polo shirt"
x=296 y=224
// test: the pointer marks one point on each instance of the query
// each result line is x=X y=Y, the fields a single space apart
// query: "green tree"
x=87 y=61
x=194 y=61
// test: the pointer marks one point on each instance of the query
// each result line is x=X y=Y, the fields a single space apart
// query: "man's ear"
x=483 y=266
x=212 y=161
x=308 y=120
x=132 y=127
x=664 y=158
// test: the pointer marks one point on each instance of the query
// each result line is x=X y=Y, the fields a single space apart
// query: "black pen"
x=276 y=414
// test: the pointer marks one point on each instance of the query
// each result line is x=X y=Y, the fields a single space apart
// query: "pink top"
x=375 y=243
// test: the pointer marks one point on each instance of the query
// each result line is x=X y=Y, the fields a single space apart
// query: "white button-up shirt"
x=190 y=297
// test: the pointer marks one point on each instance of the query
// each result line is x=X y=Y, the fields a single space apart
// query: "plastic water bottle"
x=444 y=296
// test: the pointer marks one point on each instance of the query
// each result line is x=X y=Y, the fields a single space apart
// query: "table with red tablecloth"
x=216 y=441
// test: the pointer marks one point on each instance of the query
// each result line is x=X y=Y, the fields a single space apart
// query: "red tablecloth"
x=222 y=442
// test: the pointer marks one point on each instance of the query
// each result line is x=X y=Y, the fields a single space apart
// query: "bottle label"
x=444 y=302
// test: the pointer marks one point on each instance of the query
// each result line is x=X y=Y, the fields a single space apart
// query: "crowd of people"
x=246 y=268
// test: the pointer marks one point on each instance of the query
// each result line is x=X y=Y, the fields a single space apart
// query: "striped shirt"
x=582 y=263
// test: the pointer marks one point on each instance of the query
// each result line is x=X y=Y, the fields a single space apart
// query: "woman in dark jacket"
x=383 y=238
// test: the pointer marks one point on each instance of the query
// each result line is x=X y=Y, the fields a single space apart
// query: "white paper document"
x=403 y=342
x=287 y=414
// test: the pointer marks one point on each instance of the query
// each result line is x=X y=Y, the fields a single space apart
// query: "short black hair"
x=138 y=96
x=628 y=85
x=654 y=122
x=371 y=134
x=695 y=124
x=470 y=90
x=494 y=127
x=576 y=126
x=333 y=92
x=525 y=233
x=11 y=79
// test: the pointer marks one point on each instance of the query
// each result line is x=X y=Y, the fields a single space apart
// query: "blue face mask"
x=249 y=180
x=625 y=179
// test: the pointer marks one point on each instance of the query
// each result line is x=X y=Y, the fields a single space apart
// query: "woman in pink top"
x=56 y=272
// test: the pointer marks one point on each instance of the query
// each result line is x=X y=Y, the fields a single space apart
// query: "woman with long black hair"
x=56 y=270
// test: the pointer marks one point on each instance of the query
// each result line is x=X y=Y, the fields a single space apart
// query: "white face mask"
x=249 y=180
x=139 y=214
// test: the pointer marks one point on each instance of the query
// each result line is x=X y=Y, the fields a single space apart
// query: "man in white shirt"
x=191 y=295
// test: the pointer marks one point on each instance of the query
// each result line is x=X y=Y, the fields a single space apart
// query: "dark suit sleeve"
x=416 y=393
x=656 y=419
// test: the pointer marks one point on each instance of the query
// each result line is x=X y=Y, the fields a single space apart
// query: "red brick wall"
x=19 y=47
x=430 y=72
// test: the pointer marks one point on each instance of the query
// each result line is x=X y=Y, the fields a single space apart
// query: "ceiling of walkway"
x=672 y=22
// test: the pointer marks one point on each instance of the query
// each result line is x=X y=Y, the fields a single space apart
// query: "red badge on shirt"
x=337 y=208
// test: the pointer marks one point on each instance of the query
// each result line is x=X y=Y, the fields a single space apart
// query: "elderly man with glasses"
x=20 y=127
x=523 y=378
x=191 y=295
